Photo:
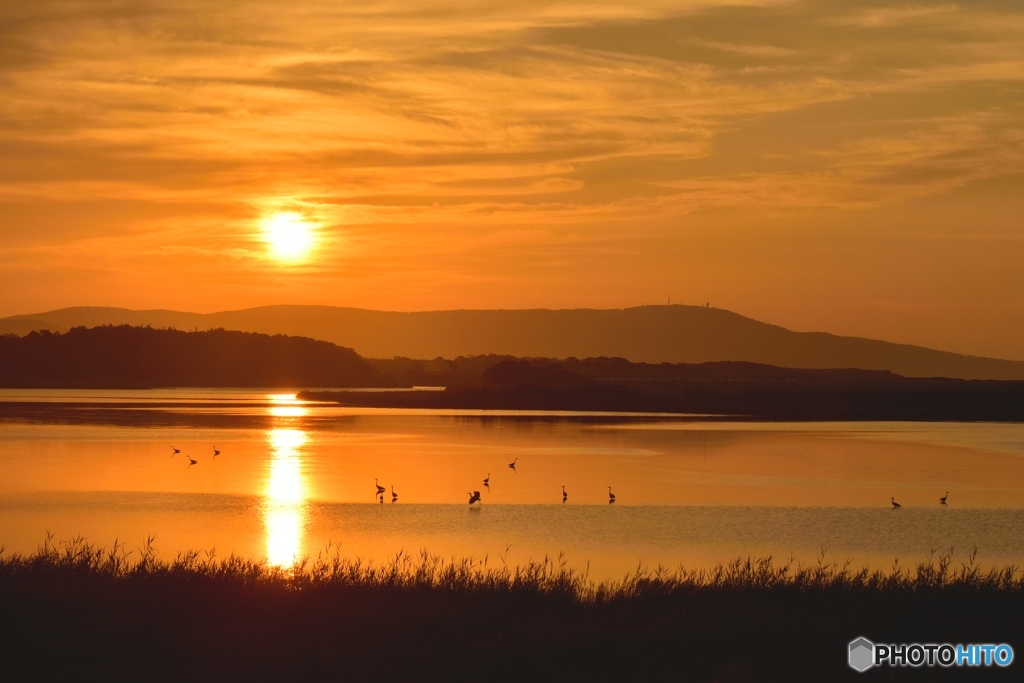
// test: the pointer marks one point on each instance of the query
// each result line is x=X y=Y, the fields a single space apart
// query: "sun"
x=288 y=235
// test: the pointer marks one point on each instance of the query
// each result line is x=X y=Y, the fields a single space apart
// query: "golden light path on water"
x=285 y=508
x=286 y=405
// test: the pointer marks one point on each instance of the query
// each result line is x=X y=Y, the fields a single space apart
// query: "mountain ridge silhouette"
x=647 y=334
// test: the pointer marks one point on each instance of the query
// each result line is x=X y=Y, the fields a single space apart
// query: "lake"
x=294 y=478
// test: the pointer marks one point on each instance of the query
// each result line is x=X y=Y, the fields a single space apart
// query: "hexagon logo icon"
x=862 y=654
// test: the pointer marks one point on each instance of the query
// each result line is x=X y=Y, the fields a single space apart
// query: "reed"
x=421 y=616
x=331 y=569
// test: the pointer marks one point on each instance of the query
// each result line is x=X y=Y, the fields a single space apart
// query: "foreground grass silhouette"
x=74 y=608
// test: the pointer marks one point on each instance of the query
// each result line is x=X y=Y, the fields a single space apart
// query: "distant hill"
x=651 y=334
x=139 y=357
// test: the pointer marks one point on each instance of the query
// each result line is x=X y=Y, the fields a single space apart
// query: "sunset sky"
x=849 y=167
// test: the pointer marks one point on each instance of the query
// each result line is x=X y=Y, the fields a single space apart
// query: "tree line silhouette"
x=734 y=389
x=141 y=357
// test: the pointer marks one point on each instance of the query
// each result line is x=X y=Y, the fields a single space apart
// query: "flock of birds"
x=892 y=499
x=474 y=496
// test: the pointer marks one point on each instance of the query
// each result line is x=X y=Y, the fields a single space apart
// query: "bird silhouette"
x=565 y=496
x=215 y=452
x=611 y=496
x=191 y=461
x=487 y=480
x=943 y=499
x=474 y=497
x=512 y=465
x=176 y=450
x=894 y=503
x=394 y=496
x=380 y=489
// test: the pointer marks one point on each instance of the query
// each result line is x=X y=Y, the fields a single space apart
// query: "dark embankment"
x=74 y=610
x=650 y=334
x=728 y=389
x=142 y=357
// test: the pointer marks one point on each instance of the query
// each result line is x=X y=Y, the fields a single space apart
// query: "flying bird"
x=943 y=499
x=611 y=496
x=474 y=497
x=894 y=503
x=565 y=496
x=394 y=496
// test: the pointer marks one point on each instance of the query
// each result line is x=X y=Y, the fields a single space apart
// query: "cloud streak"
x=474 y=129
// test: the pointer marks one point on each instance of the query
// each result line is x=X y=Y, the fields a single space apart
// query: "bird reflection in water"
x=285 y=503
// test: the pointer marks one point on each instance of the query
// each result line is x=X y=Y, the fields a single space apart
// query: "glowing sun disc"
x=289 y=237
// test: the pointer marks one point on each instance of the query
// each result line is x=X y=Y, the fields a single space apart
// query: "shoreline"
x=178 y=414
x=911 y=401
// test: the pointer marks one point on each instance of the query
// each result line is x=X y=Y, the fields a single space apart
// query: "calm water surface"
x=293 y=478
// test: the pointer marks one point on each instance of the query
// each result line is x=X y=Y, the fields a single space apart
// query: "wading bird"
x=191 y=461
x=894 y=503
x=487 y=481
x=176 y=450
x=215 y=452
x=380 y=489
x=474 y=497
x=565 y=496
x=611 y=496
x=394 y=496
x=943 y=499
x=512 y=465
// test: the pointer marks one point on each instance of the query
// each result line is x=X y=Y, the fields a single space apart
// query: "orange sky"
x=850 y=167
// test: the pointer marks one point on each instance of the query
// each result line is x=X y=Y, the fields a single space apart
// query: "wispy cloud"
x=471 y=129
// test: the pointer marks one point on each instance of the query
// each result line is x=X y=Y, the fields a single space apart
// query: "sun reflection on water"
x=286 y=405
x=285 y=504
